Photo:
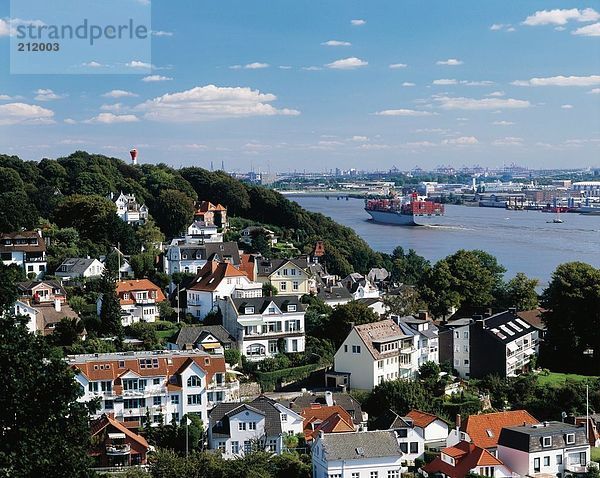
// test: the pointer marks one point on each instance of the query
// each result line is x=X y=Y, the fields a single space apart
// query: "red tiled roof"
x=247 y=264
x=422 y=419
x=467 y=457
x=138 y=285
x=381 y=330
x=104 y=421
x=211 y=275
x=332 y=419
x=484 y=430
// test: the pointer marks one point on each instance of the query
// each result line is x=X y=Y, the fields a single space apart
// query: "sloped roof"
x=104 y=421
x=506 y=326
x=337 y=292
x=467 y=456
x=344 y=400
x=247 y=262
x=211 y=275
x=75 y=265
x=48 y=316
x=189 y=335
x=383 y=329
x=361 y=445
x=329 y=419
x=335 y=423
x=260 y=304
x=23 y=287
x=422 y=419
x=40 y=246
x=484 y=430
x=390 y=420
x=534 y=317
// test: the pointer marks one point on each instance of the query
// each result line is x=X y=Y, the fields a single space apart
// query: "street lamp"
x=187 y=439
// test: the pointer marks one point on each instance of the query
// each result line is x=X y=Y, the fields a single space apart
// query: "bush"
x=232 y=356
x=269 y=380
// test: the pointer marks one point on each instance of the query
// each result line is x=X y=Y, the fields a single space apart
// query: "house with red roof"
x=218 y=280
x=164 y=384
x=139 y=301
x=463 y=458
x=328 y=419
x=484 y=430
x=212 y=214
x=115 y=445
x=432 y=428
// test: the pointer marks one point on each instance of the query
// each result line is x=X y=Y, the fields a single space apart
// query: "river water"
x=522 y=241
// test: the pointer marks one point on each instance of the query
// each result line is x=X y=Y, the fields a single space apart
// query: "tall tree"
x=399 y=395
x=45 y=433
x=173 y=211
x=344 y=317
x=110 y=310
x=520 y=292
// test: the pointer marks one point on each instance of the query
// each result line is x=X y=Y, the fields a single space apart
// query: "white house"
x=376 y=352
x=262 y=424
x=139 y=301
x=205 y=232
x=171 y=384
x=217 y=280
x=24 y=309
x=549 y=448
x=427 y=342
x=190 y=255
x=454 y=339
x=409 y=437
x=128 y=209
x=79 y=267
x=432 y=428
x=372 y=454
x=26 y=249
x=263 y=326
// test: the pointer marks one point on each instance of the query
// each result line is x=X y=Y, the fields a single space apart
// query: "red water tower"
x=133 y=154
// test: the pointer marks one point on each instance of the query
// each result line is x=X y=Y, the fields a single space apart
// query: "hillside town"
x=234 y=334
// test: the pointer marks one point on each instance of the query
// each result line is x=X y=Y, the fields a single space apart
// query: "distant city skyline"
x=283 y=86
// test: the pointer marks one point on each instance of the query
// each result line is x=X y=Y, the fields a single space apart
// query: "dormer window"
x=570 y=438
x=249 y=310
x=291 y=308
x=546 y=442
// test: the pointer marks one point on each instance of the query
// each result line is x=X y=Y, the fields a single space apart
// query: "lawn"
x=555 y=378
x=596 y=454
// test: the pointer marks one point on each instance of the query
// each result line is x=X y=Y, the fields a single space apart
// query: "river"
x=522 y=241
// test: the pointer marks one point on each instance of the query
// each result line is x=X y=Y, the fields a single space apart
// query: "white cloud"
x=592 y=30
x=8 y=97
x=476 y=82
x=336 y=43
x=567 y=107
x=561 y=16
x=508 y=141
x=461 y=103
x=404 y=112
x=347 y=64
x=47 y=95
x=595 y=91
x=23 y=113
x=70 y=121
x=511 y=29
x=503 y=123
x=209 y=102
x=155 y=78
x=462 y=141
x=116 y=107
x=161 y=33
x=408 y=84
x=444 y=81
x=250 y=66
x=395 y=66
x=285 y=67
x=111 y=118
x=496 y=93
x=560 y=29
x=591 y=80
x=72 y=141
x=497 y=26
x=139 y=65
x=359 y=138
x=507 y=27
x=357 y=22
x=119 y=94
x=449 y=62
x=311 y=68
x=92 y=64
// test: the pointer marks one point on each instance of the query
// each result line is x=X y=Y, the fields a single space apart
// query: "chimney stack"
x=458 y=423
x=57 y=305
x=329 y=399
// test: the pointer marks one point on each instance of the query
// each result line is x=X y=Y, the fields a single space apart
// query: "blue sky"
x=286 y=85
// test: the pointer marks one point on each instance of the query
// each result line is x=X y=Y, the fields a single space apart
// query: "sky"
x=281 y=85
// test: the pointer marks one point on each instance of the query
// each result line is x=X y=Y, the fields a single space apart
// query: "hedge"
x=269 y=380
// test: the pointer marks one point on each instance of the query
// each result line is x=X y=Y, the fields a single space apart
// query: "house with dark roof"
x=368 y=454
x=484 y=429
x=190 y=255
x=26 y=249
x=288 y=276
x=408 y=435
x=545 y=449
x=463 y=458
x=217 y=280
x=373 y=353
x=334 y=295
x=426 y=336
x=208 y=338
x=42 y=291
x=502 y=344
x=79 y=268
x=115 y=445
x=263 y=326
x=235 y=429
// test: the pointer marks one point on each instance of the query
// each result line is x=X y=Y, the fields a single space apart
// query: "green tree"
x=110 y=310
x=143 y=264
x=173 y=211
x=399 y=395
x=429 y=371
x=406 y=302
x=344 y=317
x=89 y=215
x=9 y=276
x=438 y=292
x=148 y=234
x=269 y=290
x=520 y=292
x=408 y=268
x=261 y=244
x=146 y=333
x=52 y=443
x=232 y=356
x=67 y=331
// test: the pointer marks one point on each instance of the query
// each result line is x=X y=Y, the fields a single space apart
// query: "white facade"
x=21 y=308
x=366 y=291
x=259 y=329
x=94 y=269
x=205 y=232
x=411 y=443
x=129 y=210
x=200 y=302
x=461 y=351
x=436 y=431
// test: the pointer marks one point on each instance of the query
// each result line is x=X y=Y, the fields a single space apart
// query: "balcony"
x=116 y=450
x=407 y=350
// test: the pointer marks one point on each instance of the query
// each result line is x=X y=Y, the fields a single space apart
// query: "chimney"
x=457 y=421
x=329 y=399
x=423 y=315
x=512 y=310
x=57 y=305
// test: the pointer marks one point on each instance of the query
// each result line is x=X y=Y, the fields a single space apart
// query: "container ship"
x=411 y=210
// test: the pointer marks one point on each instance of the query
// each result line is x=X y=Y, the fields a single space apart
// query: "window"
x=272 y=446
x=174 y=399
x=355 y=474
x=221 y=446
x=570 y=438
x=283 y=286
x=108 y=405
x=235 y=447
x=176 y=417
x=247 y=446
x=294 y=345
x=374 y=474
x=402 y=433
x=272 y=310
x=295 y=286
x=242 y=426
x=255 y=349
x=249 y=310
x=156 y=381
x=252 y=426
x=393 y=474
x=546 y=461
x=93 y=387
x=292 y=307
x=380 y=364
x=466 y=361
x=195 y=399
x=356 y=349
x=536 y=465
x=559 y=459
x=404 y=447
x=156 y=401
x=466 y=334
x=414 y=447
x=546 y=442
x=272 y=346
x=194 y=381
x=284 y=417
x=345 y=349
